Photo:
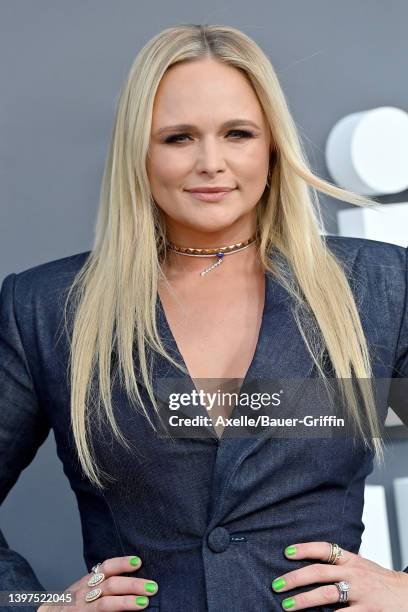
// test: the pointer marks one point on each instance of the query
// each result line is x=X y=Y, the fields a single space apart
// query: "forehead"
x=203 y=89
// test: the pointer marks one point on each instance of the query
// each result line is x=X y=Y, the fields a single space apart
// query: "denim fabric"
x=209 y=517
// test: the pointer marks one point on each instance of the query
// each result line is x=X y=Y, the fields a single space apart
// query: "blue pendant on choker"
x=214 y=265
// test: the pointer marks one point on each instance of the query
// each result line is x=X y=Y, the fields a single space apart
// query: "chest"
x=216 y=333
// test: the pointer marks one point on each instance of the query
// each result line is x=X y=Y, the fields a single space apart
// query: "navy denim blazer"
x=209 y=517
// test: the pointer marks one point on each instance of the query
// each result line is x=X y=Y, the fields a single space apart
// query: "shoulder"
x=51 y=276
x=378 y=276
x=41 y=289
x=372 y=255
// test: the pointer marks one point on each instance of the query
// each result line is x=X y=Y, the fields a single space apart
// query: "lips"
x=210 y=196
x=210 y=189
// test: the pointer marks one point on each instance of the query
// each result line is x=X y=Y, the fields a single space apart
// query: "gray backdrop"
x=61 y=67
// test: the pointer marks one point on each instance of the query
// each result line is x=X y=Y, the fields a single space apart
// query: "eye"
x=175 y=138
x=243 y=133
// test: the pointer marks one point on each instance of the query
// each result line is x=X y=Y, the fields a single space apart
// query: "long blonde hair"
x=116 y=289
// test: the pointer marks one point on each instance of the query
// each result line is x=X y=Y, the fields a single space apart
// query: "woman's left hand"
x=373 y=588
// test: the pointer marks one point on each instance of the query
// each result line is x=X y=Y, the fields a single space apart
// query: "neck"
x=239 y=264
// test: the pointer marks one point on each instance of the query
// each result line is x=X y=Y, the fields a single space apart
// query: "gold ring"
x=95 y=579
x=335 y=553
x=92 y=595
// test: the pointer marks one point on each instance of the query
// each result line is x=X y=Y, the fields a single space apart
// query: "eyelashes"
x=174 y=138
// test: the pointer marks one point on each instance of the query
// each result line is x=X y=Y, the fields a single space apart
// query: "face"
x=207 y=152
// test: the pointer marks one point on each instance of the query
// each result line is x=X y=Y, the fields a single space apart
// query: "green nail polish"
x=288 y=603
x=134 y=561
x=151 y=587
x=290 y=550
x=278 y=583
x=142 y=600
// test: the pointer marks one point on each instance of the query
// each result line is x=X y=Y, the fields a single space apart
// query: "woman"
x=205 y=156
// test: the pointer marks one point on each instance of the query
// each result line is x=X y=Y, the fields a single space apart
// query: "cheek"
x=166 y=170
x=253 y=175
x=253 y=166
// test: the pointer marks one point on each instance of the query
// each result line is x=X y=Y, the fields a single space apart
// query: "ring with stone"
x=96 y=576
x=343 y=588
x=92 y=595
x=96 y=579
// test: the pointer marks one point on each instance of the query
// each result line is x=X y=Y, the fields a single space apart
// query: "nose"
x=210 y=157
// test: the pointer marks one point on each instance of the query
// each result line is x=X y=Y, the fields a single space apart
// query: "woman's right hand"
x=118 y=592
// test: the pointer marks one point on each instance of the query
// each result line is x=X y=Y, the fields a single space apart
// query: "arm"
x=23 y=428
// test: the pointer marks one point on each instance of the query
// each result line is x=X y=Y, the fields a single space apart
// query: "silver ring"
x=343 y=588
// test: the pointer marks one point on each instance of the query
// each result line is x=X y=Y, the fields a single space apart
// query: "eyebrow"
x=188 y=126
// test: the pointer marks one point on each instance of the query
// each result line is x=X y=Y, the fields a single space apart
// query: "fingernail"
x=290 y=550
x=142 y=600
x=151 y=587
x=278 y=583
x=135 y=561
x=288 y=603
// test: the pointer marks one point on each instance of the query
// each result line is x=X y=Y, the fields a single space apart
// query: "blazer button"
x=218 y=539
